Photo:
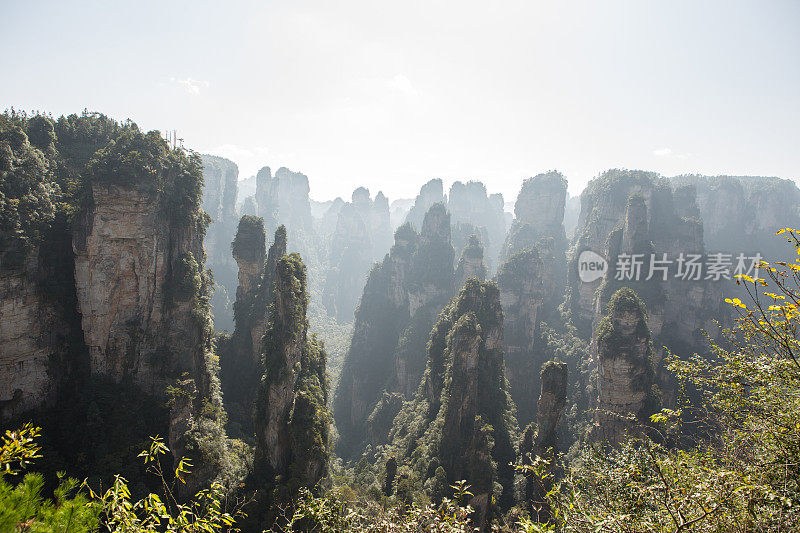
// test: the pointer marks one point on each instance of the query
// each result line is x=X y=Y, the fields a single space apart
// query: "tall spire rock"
x=400 y=303
x=240 y=360
x=522 y=292
x=290 y=416
x=283 y=199
x=471 y=264
x=603 y=205
x=543 y=440
x=249 y=250
x=142 y=289
x=460 y=423
x=539 y=214
x=626 y=395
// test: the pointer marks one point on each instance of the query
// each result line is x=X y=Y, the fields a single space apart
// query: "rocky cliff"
x=240 y=360
x=429 y=194
x=401 y=300
x=220 y=179
x=539 y=214
x=362 y=236
x=521 y=280
x=742 y=213
x=623 y=351
x=603 y=205
x=290 y=415
x=471 y=264
x=469 y=203
x=38 y=319
x=460 y=423
x=120 y=287
x=542 y=441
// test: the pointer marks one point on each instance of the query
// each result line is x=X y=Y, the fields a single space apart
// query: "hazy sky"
x=389 y=95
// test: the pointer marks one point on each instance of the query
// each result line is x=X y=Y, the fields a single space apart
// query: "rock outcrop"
x=603 y=205
x=543 y=440
x=471 y=264
x=362 y=236
x=290 y=415
x=33 y=338
x=401 y=300
x=470 y=204
x=240 y=360
x=623 y=351
x=113 y=292
x=429 y=194
x=283 y=199
x=522 y=293
x=539 y=214
x=742 y=213
x=460 y=423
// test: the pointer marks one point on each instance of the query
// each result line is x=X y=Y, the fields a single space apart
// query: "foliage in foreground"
x=76 y=508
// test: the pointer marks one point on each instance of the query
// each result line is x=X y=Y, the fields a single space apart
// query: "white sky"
x=389 y=95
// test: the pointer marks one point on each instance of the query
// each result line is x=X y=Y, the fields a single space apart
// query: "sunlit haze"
x=388 y=96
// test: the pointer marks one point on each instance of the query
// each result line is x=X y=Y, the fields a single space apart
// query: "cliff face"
x=220 y=180
x=290 y=415
x=471 y=264
x=362 y=236
x=539 y=214
x=459 y=425
x=127 y=256
x=283 y=199
x=36 y=286
x=469 y=203
x=430 y=193
x=603 y=205
x=33 y=331
x=521 y=280
x=742 y=213
x=623 y=351
x=401 y=300
x=240 y=360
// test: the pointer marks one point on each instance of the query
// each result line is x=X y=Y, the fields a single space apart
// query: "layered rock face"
x=290 y=415
x=114 y=297
x=33 y=331
x=459 y=425
x=40 y=336
x=362 y=236
x=127 y=258
x=220 y=179
x=521 y=280
x=401 y=300
x=469 y=203
x=623 y=352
